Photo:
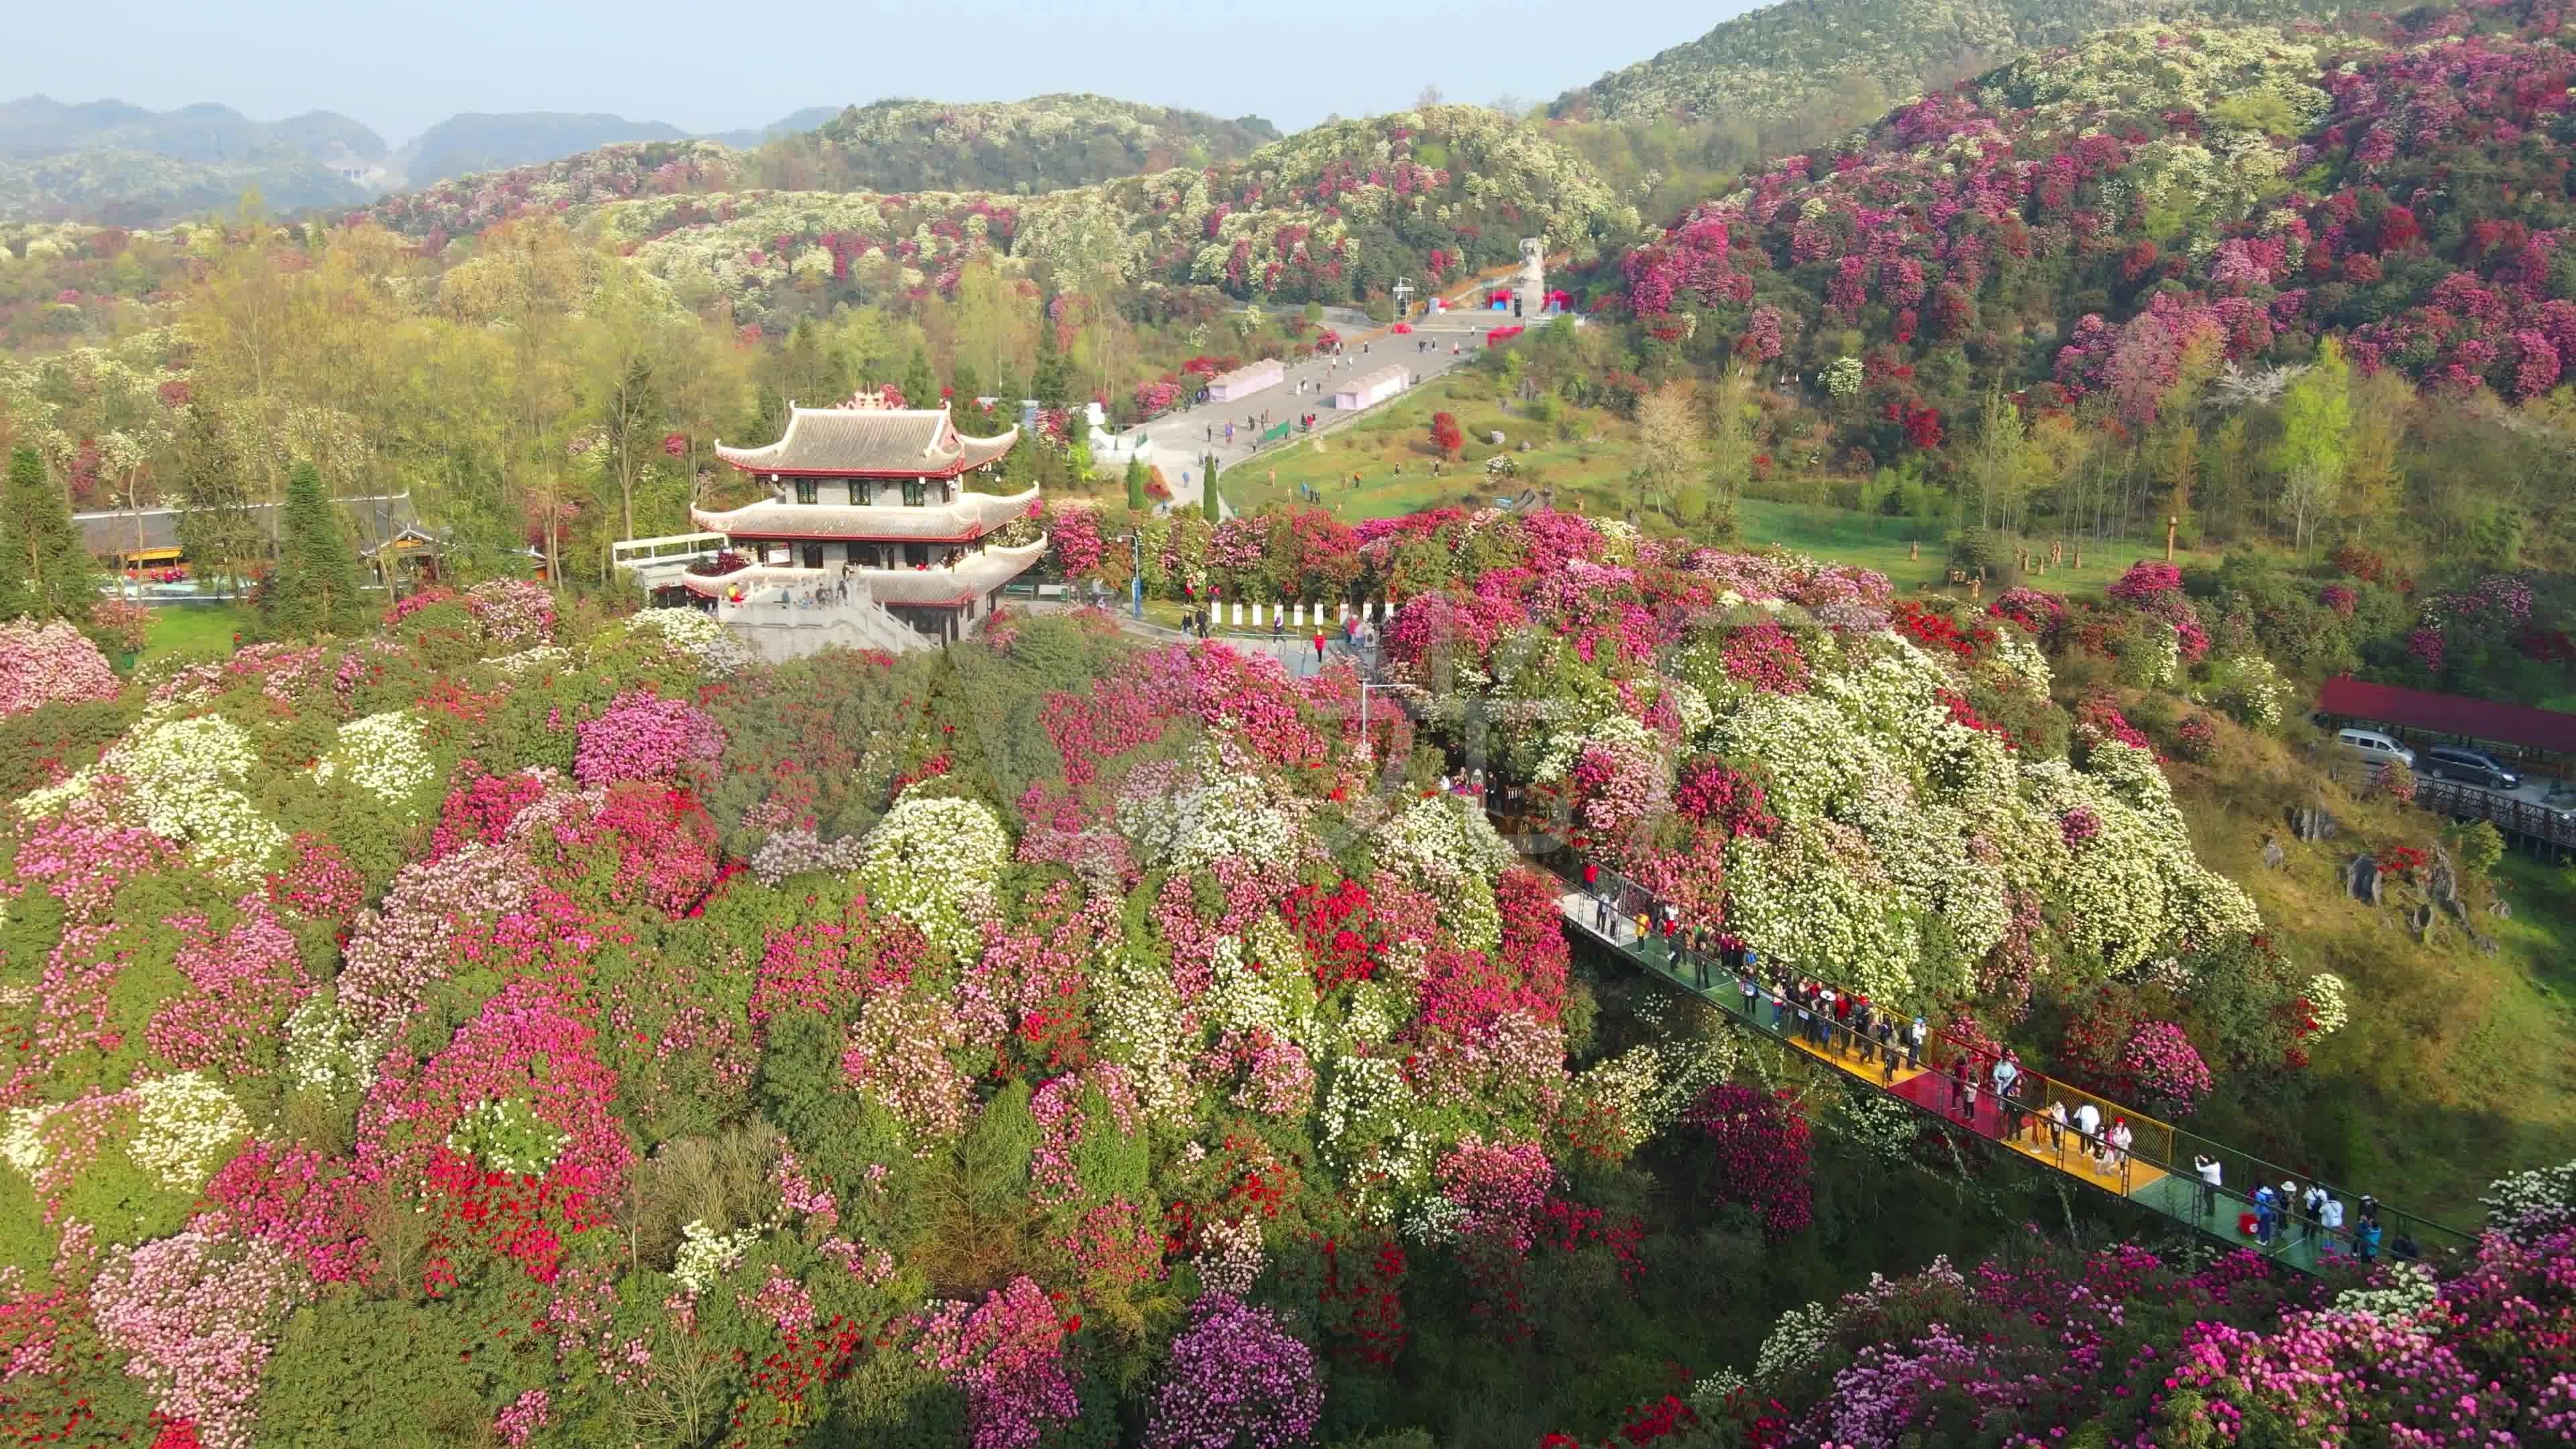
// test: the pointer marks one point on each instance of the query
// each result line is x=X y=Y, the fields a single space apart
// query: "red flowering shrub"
x=1757 y=1147
x=1446 y=435
x=1342 y=943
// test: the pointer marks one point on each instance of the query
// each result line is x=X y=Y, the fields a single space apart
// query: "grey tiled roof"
x=372 y=520
x=876 y=441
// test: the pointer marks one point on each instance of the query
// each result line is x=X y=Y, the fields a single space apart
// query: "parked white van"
x=2373 y=746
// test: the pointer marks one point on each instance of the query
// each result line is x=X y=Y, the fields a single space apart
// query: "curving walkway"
x=2156 y=1172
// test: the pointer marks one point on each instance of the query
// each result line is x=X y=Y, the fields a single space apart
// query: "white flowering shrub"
x=1793 y=1340
x=506 y=1136
x=706 y=1255
x=2530 y=1206
x=2249 y=688
x=2329 y=1004
x=1372 y=1136
x=1442 y=841
x=325 y=1051
x=382 y=754
x=185 y=1126
x=932 y=861
x=183 y=781
x=2404 y=1292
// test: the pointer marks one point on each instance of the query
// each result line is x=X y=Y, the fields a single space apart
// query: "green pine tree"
x=1136 y=479
x=315 y=589
x=216 y=527
x=1207 y=484
x=1052 y=382
x=920 y=385
x=48 y=573
x=968 y=382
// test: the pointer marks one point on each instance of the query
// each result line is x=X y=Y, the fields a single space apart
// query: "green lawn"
x=1390 y=450
x=195 y=629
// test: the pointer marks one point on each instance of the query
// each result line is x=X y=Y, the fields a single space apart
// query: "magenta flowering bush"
x=1757 y=1143
x=2165 y=1066
x=643 y=736
x=1237 y=1380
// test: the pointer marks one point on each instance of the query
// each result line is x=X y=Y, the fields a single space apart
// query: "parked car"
x=2473 y=767
x=2374 y=747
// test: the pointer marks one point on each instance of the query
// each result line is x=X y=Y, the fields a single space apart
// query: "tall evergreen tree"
x=216 y=526
x=1052 y=382
x=315 y=590
x=1136 y=480
x=920 y=384
x=44 y=570
x=968 y=382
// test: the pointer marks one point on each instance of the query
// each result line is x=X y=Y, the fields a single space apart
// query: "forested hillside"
x=1780 y=59
x=1046 y=143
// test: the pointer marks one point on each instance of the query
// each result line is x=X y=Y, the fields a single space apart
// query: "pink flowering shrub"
x=199 y=1316
x=643 y=736
x=49 y=662
x=1008 y=1354
x=2164 y=1064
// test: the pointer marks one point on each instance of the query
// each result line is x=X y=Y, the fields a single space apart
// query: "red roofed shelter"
x=2419 y=713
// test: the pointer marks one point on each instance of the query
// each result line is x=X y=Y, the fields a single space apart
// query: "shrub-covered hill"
x=567 y=1027
x=1770 y=62
x=1045 y=143
x=2084 y=217
x=1327 y=214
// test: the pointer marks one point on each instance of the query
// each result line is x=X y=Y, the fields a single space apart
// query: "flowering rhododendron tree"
x=40 y=663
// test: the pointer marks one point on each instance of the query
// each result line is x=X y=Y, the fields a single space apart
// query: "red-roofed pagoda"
x=869 y=511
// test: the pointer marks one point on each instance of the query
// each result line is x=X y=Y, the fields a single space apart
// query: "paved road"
x=1193 y=431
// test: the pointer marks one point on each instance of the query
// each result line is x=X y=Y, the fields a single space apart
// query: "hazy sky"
x=720 y=67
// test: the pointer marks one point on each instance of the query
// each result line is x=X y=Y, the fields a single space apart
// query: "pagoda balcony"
x=968 y=518
x=942 y=586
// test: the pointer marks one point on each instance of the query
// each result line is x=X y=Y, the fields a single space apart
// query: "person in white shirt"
x=2314 y=1203
x=2088 y=1123
x=2331 y=1215
x=2208 y=1169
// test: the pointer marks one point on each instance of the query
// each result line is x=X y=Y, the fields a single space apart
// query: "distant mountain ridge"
x=107 y=161
x=1767 y=63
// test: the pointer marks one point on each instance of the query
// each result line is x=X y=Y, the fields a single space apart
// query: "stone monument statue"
x=1531 y=288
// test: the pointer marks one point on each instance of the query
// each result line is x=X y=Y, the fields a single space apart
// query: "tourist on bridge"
x=2009 y=1087
x=2312 y=1206
x=2266 y=1207
x=1803 y=989
x=1887 y=1041
x=1858 y=1041
x=1963 y=1091
x=2005 y=1071
x=2209 y=1172
x=1744 y=983
x=1914 y=1044
x=2365 y=1238
x=2331 y=1216
x=2121 y=1137
x=2057 y=1126
x=2088 y=1131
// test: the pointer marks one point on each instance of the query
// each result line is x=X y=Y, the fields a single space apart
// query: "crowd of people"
x=1848 y=1026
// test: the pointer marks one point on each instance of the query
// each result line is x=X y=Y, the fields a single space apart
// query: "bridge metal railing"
x=1625 y=914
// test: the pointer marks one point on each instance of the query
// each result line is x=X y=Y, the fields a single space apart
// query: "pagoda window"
x=808 y=491
x=814 y=556
x=916 y=554
x=859 y=492
x=916 y=492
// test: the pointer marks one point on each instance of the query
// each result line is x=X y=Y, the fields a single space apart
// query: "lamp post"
x=1402 y=291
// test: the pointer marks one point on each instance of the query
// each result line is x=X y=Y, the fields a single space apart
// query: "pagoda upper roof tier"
x=869 y=442
x=969 y=518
